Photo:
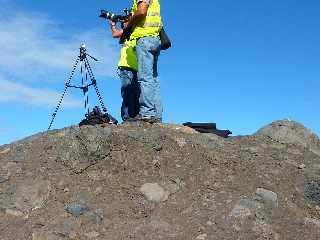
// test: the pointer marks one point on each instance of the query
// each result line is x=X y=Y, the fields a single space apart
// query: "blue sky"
x=241 y=64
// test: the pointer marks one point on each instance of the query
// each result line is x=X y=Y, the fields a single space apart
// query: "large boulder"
x=291 y=132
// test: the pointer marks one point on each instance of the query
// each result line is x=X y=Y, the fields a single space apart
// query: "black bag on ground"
x=97 y=117
x=165 y=40
x=208 y=128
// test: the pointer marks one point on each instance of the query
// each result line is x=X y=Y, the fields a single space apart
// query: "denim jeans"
x=148 y=51
x=130 y=93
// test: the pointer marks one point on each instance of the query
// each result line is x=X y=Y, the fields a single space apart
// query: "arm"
x=140 y=14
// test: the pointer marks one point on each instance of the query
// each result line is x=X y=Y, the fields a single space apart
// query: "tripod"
x=87 y=80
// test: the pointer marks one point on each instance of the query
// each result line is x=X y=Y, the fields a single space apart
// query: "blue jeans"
x=148 y=51
x=130 y=93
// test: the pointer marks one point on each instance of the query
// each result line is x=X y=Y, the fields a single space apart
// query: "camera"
x=115 y=18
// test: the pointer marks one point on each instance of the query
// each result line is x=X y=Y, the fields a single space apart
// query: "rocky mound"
x=142 y=181
x=292 y=132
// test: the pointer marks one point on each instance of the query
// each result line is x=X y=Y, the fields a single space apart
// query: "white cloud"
x=35 y=51
x=33 y=45
x=20 y=93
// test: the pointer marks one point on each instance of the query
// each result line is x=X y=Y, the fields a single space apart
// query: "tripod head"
x=84 y=54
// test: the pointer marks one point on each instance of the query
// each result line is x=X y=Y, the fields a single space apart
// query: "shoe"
x=129 y=120
x=141 y=118
x=151 y=120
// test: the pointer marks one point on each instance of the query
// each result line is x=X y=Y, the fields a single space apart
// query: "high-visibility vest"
x=151 y=25
x=128 y=56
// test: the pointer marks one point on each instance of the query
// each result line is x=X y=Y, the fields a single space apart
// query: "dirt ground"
x=160 y=181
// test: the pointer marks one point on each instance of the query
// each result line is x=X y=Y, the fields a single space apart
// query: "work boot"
x=140 y=118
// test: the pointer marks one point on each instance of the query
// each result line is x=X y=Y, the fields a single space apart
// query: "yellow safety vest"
x=128 y=56
x=151 y=25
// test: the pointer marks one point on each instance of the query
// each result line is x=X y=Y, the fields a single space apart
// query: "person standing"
x=127 y=70
x=146 y=23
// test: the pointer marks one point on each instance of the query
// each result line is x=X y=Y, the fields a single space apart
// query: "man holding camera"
x=146 y=23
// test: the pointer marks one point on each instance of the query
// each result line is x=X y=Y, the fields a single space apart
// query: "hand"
x=112 y=23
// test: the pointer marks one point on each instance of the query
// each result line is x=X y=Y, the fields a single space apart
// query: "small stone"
x=157 y=148
x=209 y=223
x=267 y=196
x=76 y=209
x=14 y=213
x=302 y=166
x=202 y=237
x=92 y=235
x=154 y=192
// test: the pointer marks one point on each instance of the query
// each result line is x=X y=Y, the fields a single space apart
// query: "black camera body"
x=115 y=18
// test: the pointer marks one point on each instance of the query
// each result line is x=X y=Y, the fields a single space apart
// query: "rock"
x=267 y=196
x=92 y=235
x=76 y=209
x=209 y=223
x=157 y=147
x=154 y=192
x=302 y=166
x=312 y=192
x=244 y=208
x=202 y=237
x=292 y=132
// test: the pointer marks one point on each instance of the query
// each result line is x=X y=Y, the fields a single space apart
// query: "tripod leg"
x=93 y=80
x=64 y=93
x=87 y=105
